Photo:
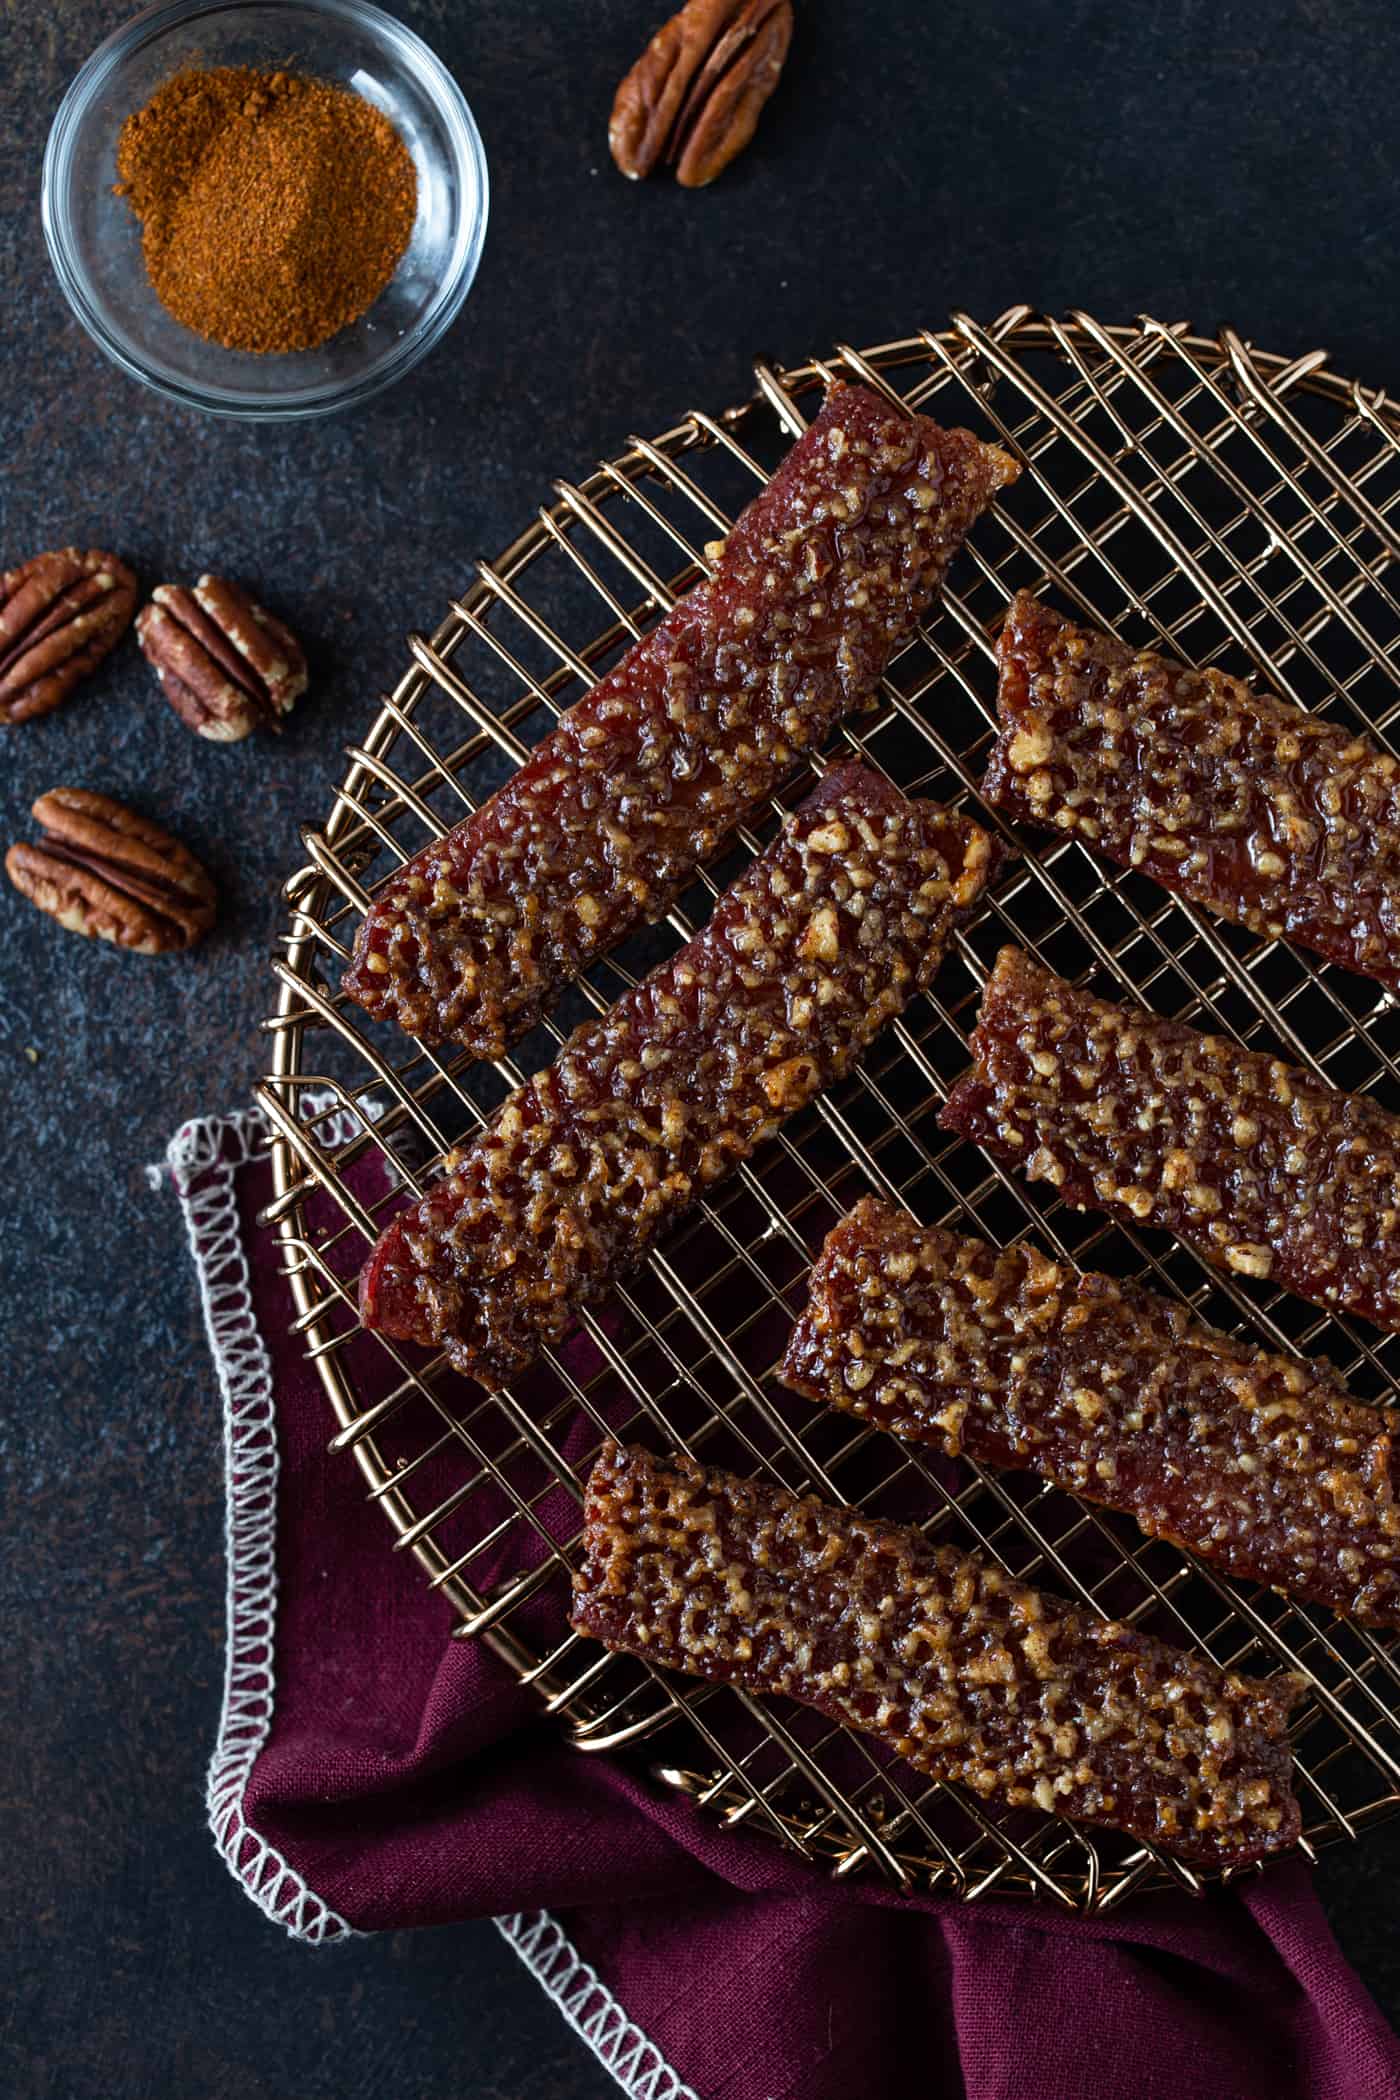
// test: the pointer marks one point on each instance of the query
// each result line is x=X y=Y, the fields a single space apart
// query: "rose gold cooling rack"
x=1224 y=504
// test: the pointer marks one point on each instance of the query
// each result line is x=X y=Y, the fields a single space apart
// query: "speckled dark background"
x=1206 y=159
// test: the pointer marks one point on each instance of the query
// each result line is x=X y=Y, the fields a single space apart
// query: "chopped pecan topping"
x=224 y=663
x=1251 y=1162
x=820 y=579
x=581 y=1169
x=103 y=871
x=1265 y=814
x=695 y=95
x=1022 y=1697
x=1259 y=1463
x=60 y=614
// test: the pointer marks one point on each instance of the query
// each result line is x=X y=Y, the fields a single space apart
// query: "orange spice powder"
x=274 y=209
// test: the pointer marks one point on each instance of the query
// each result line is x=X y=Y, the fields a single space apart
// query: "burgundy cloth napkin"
x=372 y=1774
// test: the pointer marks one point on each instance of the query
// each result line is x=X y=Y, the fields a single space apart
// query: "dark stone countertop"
x=1213 y=160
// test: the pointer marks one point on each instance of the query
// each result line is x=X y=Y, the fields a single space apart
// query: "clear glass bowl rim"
x=326 y=399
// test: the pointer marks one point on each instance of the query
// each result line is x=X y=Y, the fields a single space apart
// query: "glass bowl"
x=94 y=239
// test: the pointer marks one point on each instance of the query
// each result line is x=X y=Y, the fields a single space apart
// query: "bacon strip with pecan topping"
x=1263 y=1465
x=825 y=937
x=1231 y=798
x=823 y=575
x=1251 y=1163
x=1026 y=1699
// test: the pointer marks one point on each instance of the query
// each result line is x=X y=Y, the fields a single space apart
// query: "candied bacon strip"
x=1263 y=1465
x=825 y=937
x=1231 y=798
x=823 y=575
x=1251 y=1163
x=1028 y=1700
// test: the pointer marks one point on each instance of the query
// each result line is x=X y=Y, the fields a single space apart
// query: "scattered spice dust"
x=274 y=209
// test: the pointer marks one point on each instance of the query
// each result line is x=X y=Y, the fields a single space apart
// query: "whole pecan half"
x=224 y=663
x=101 y=870
x=695 y=94
x=59 y=615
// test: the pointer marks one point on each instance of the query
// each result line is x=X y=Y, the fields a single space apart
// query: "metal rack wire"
x=1227 y=505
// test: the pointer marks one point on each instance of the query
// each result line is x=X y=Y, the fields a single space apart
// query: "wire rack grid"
x=1198 y=495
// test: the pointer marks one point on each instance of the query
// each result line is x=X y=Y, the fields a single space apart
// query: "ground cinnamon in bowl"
x=274 y=209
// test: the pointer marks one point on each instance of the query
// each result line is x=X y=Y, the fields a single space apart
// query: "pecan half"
x=59 y=615
x=695 y=94
x=101 y=870
x=224 y=664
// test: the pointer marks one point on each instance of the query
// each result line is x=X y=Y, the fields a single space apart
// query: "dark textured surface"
x=1221 y=162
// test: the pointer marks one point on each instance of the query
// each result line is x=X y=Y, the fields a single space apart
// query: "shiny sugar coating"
x=821 y=577
x=1260 y=1169
x=824 y=938
x=1264 y=1466
x=1262 y=813
x=1025 y=1699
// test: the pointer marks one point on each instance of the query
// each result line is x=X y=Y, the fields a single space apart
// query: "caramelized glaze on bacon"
x=1261 y=1464
x=1232 y=798
x=1030 y=1701
x=1246 y=1159
x=825 y=937
x=822 y=576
